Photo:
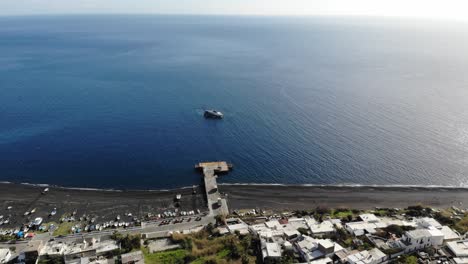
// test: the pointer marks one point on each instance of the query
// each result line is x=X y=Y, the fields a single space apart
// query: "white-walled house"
x=320 y=229
x=373 y=256
x=421 y=238
x=310 y=248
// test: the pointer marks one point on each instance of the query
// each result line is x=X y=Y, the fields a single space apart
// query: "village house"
x=373 y=256
x=310 y=248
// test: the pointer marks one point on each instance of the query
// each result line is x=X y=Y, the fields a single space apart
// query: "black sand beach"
x=100 y=204
x=309 y=197
x=105 y=204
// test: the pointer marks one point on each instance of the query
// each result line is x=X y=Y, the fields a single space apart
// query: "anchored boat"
x=213 y=114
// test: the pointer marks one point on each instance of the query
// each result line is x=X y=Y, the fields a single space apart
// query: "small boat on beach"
x=37 y=221
x=54 y=212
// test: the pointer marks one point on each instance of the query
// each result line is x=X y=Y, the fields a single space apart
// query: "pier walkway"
x=216 y=203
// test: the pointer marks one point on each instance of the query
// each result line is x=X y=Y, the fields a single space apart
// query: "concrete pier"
x=216 y=204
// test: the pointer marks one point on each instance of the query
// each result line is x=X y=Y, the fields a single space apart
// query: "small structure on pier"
x=216 y=166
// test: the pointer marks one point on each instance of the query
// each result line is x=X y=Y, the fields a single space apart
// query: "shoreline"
x=243 y=196
x=331 y=186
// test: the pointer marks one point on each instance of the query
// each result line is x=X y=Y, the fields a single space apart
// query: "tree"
x=209 y=228
x=128 y=242
x=233 y=249
x=220 y=220
x=245 y=259
x=303 y=230
x=288 y=257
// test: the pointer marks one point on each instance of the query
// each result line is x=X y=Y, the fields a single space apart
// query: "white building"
x=370 y=218
x=373 y=256
x=427 y=222
x=324 y=228
x=361 y=228
x=310 y=248
x=421 y=238
x=271 y=250
x=74 y=247
x=236 y=224
x=449 y=234
x=5 y=255
x=432 y=224
x=135 y=257
x=460 y=250
x=242 y=228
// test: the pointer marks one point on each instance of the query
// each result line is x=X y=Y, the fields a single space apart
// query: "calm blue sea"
x=116 y=101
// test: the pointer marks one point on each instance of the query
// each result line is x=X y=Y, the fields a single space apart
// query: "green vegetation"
x=407 y=260
x=5 y=238
x=341 y=236
x=365 y=245
x=303 y=231
x=166 y=257
x=418 y=211
x=398 y=230
x=64 y=229
x=462 y=225
x=392 y=251
x=127 y=243
x=342 y=213
x=205 y=247
x=46 y=259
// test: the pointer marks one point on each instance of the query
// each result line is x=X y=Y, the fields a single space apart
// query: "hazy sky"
x=447 y=9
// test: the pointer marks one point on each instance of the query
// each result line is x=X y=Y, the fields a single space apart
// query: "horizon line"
x=424 y=18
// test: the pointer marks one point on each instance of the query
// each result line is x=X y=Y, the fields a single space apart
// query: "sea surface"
x=117 y=101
